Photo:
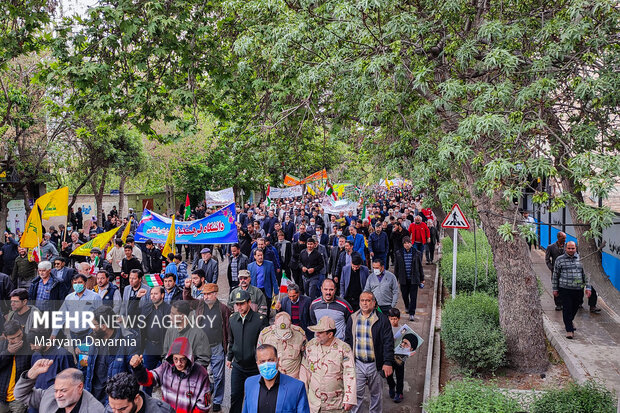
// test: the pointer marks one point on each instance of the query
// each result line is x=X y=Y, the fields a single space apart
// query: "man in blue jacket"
x=263 y=275
x=272 y=391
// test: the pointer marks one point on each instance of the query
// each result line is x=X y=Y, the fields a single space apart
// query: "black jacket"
x=58 y=292
x=22 y=363
x=242 y=264
x=289 y=230
x=383 y=339
x=334 y=257
x=152 y=260
x=312 y=260
x=417 y=272
x=552 y=253
x=243 y=338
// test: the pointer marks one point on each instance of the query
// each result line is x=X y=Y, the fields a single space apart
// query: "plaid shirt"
x=364 y=348
x=568 y=273
x=43 y=295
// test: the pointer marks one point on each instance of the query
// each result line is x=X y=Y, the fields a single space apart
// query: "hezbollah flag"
x=169 y=245
x=100 y=241
x=125 y=233
x=33 y=234
x=54 y=203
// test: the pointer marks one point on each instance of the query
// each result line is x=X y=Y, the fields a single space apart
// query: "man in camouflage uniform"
x=258 y=300
x=329 y=370
x=289 y=340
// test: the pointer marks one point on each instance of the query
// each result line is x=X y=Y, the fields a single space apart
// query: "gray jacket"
x=44 y=399
x=386 y=290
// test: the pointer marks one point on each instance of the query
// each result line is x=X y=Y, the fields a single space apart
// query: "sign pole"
x=454 y=248
x=455 y=219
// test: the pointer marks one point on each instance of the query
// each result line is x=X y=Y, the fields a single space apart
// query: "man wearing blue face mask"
x=272 y=391
x=79 y=301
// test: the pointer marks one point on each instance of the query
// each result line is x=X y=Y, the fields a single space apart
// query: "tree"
x=469 y=92
x=25 y=138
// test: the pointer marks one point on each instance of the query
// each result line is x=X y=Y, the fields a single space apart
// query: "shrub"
x=471 y=396
x=466 y=265
x=575 y=398
x=471 y=333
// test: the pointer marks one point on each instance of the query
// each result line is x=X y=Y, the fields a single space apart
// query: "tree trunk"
x=590 y=254
x=520 y=311
x=170 y=204
x=4 y=212
x=98 y=188
x=121 y=196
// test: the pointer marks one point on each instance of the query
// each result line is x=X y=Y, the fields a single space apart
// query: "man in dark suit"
x=353 y=280
x=288 y=227
x=298 y=307
x=263 y=275
x=62 y=273
x=285 y=251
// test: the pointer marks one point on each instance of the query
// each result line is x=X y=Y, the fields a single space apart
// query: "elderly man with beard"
x=289 y=340
x=67 y=394
x=216 y=326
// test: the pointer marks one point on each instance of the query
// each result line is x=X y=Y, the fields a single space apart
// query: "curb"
x=431 y=343
x=574 y=366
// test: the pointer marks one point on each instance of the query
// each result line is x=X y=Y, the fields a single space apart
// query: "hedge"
x=466 y=265
x=471 y=333
x=576 y=398
x=471 y=396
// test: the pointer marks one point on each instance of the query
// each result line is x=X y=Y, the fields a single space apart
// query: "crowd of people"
x=319 y=347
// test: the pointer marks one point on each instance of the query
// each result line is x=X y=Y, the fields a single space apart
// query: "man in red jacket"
x=420 y=234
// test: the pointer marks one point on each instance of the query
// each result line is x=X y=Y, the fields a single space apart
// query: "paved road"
x=595 y=351
x=415 y=366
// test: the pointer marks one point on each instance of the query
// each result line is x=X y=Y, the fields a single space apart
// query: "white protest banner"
x=344 y=205
x=223 y=197
x=289 y=192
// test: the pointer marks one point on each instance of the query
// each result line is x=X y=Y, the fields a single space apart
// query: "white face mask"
x=376 y=271
x=339 y=232
x=318 y=233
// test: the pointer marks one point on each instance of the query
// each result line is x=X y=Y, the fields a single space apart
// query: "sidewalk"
x=594 y=353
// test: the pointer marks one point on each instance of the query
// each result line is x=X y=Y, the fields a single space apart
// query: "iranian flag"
x=329 y=190
x=284 y=284
x=94 y=267
x=365 y=215
x=153 y=280
x=268 y=200
x=188 y=210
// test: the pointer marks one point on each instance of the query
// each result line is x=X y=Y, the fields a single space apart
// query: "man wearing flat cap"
x=290 y=342
x=328 y=370
x=208 y=265
x=245 y=327
x=216 y=326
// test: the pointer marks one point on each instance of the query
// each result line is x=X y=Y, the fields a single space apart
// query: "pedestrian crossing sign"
x=455 y=219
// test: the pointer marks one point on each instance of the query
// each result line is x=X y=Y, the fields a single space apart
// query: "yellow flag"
x=100 y=241
x=125 y=233
x=33 y=234
x=169 y=246
x=54 y=203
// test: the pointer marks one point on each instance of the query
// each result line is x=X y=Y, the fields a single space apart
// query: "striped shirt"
x=568 y=273
x=408 y=258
